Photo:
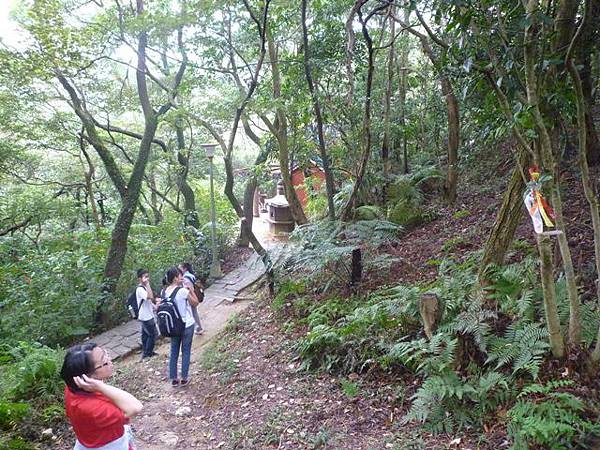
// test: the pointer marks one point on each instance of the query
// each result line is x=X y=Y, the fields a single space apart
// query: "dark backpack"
x=198 y=287
x=170 y=322
x=132 y=304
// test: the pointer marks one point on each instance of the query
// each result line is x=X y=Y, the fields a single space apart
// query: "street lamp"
x=215 y=267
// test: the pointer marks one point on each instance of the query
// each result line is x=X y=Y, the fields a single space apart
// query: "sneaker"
x=185 y=382
x=175 y=383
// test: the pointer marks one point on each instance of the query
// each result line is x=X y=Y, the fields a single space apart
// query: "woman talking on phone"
x=98 y=412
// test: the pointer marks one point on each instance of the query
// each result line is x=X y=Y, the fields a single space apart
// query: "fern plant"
x=474 y=321
x=424 y=356
x=447 y=401
x=523 y=346
x=547 y=417
x=590 y=314
x=325 y=248
x=514 y=288
x=34 y=375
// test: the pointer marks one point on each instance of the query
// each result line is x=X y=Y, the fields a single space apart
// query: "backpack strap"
x=139 y=303
x=173 y=294
x=172 y=299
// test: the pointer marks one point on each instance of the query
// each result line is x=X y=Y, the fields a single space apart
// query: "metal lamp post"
x=215 y=267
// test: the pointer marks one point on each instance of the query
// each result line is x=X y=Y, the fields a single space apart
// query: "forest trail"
x=171 y=412
x=248 y=392
x=173 y=417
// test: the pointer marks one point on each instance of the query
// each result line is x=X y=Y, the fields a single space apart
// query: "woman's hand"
x=88 y=384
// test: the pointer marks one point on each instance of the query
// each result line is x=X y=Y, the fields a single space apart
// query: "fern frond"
x=524 y=345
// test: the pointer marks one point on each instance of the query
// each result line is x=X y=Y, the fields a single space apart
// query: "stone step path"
x=125 y=339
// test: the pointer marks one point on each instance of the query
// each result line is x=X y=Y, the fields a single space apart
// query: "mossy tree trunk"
x=329 y=183
x=509 y=216
x=189 y=199
x=545 y=156
x=550 y=308
x=588 y=188
x=279 y=128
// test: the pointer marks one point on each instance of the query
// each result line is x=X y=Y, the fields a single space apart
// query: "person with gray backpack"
x=175 y=320
x=190 y=282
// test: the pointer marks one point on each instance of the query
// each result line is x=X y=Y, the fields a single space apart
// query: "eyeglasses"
x=105 y=363
x=102 y=365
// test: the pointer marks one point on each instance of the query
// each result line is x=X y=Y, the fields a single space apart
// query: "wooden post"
x=356 y=274
x=431 y=311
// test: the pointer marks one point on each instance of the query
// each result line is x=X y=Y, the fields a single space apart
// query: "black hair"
x=78 y=361
x=141 y=272
x=188 y=267
x=171 y=274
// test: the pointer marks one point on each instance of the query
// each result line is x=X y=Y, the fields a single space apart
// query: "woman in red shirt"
x=98 y=412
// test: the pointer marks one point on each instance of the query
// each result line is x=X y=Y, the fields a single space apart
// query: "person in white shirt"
x=145 y=299
x=189 y=278
x=185 y=300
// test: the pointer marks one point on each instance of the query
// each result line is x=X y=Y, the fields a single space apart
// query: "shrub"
x=12 y=413
x=447 y=401
x=33 y=374
x=324 y=249
x=547 y=416
x=49 y=295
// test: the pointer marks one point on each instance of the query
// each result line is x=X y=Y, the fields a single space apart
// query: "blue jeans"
x=148 y=337
x=185 y=343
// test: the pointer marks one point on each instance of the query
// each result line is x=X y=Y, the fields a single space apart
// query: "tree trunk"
x=587 y=44
x=281 y=134
x=402 y=89
x=592 y=149
x=451 y=106
x=158 y=217
x=249 y=196
x=247 y=230
x=551 y=310
x=189 y=200
x=227 y=149
x=567 y=260
x=110 y=165
x=387 y=103
x=453 y=140
x=120 y=233
x=507 y=221
x=329 y=183
x=249 y=190
x=588 y=187
x=546 y=156
x=118 y=244
x=89 y=178
x=366 y=128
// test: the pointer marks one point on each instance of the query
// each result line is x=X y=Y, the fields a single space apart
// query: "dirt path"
x=247 y=393
x=170 y=414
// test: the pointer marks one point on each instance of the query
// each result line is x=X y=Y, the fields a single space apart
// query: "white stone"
x=170 y=439
x=183 y=411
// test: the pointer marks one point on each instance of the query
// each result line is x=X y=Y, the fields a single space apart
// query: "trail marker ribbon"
x=539 y=210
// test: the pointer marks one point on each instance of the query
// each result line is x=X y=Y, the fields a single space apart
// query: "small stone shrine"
x=280 y=215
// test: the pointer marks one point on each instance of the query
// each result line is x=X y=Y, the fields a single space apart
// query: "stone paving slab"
x=125 y=339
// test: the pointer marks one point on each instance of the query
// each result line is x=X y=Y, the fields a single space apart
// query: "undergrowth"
x=31 y=392
x=480 y=362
